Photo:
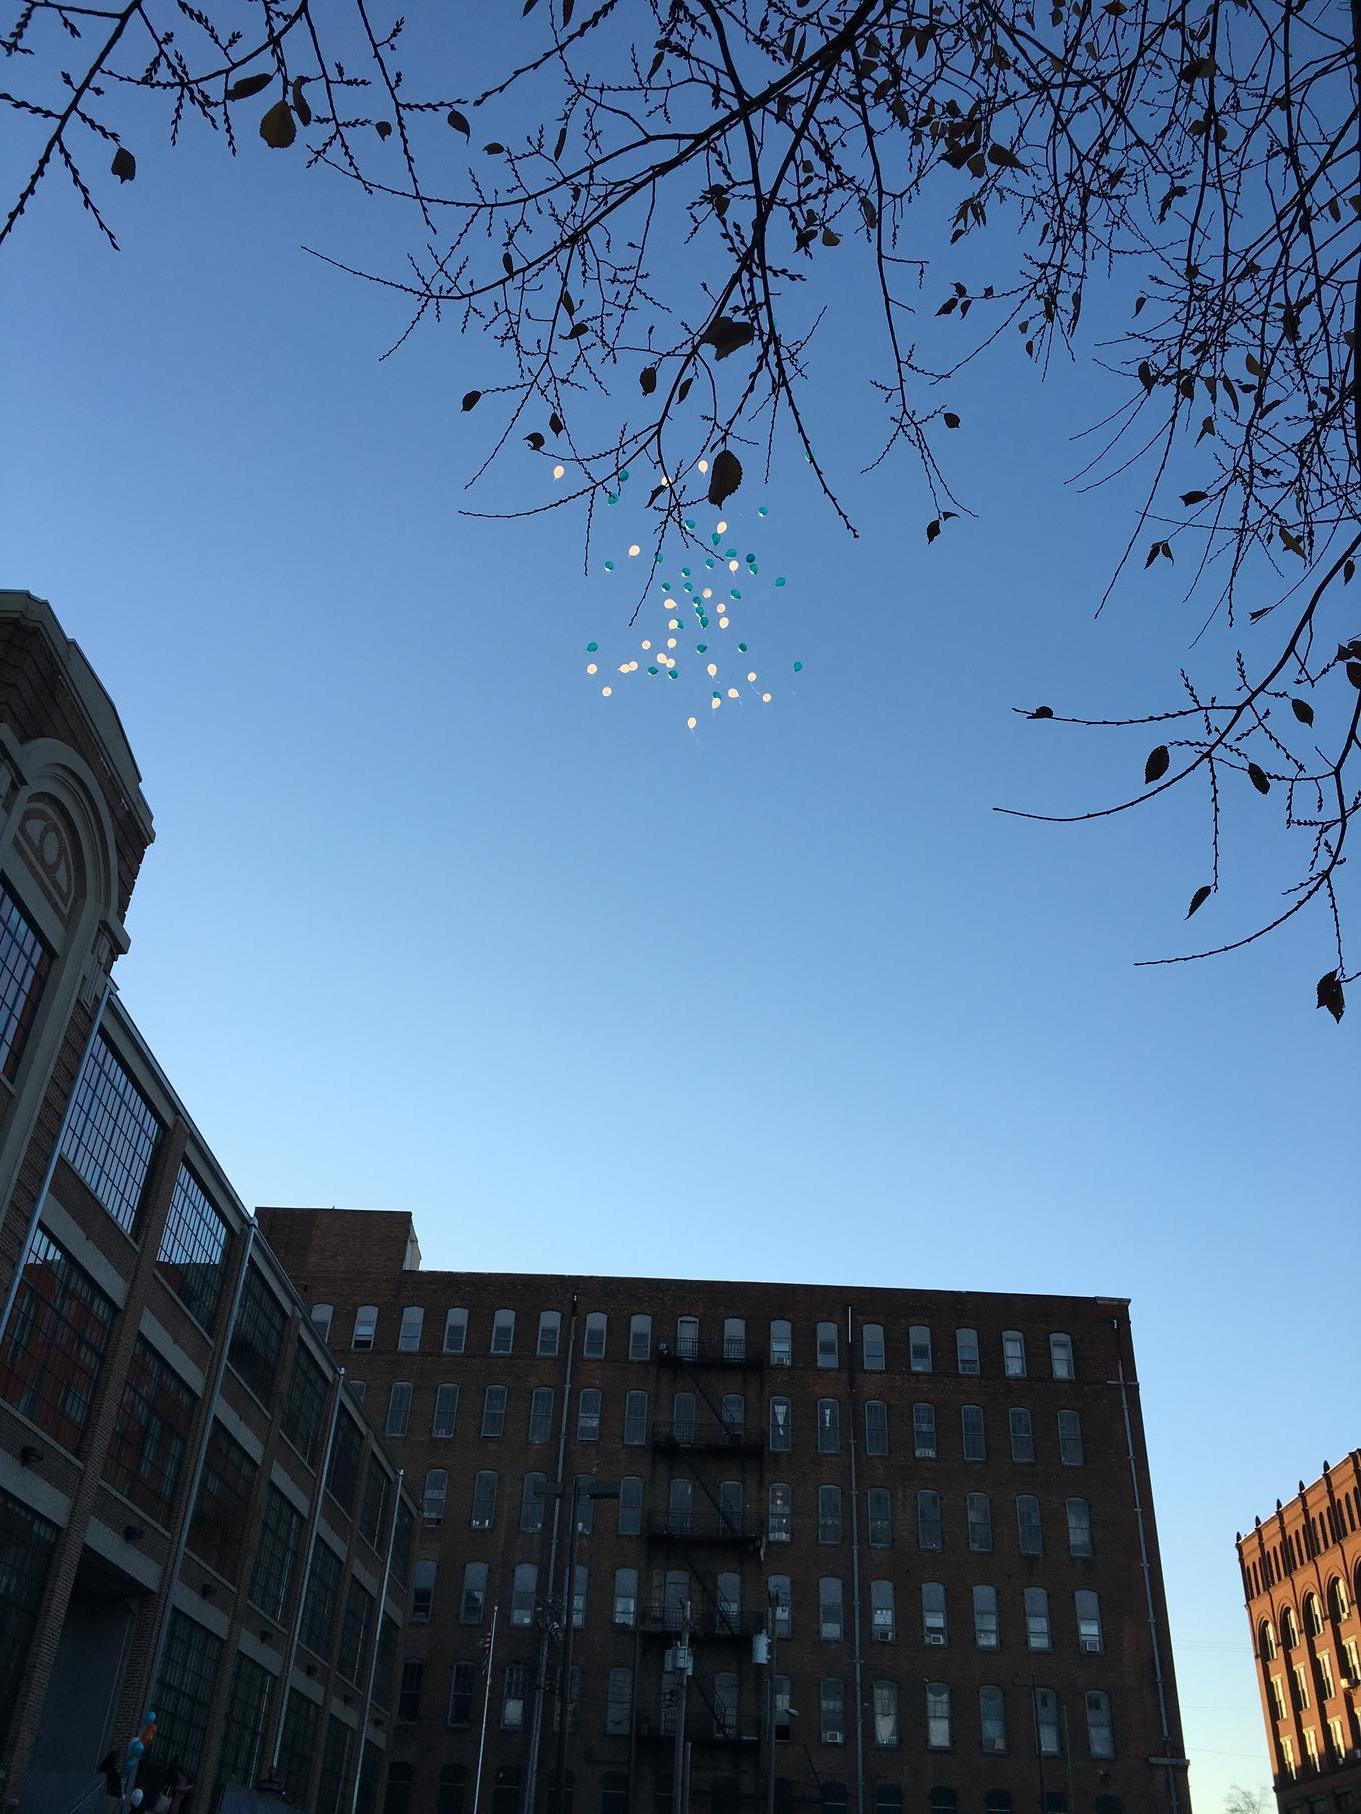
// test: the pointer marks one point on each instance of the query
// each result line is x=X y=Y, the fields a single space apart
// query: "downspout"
x=210 y=1398
x=377 y=1639
x=1147 y=1578
x=856 y=1649
x=541 y=1670
x=13 y=1290
x=314 y=1520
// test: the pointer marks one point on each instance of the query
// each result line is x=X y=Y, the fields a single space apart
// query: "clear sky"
x=429 y=924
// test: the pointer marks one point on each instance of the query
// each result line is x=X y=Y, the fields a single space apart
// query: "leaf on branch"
x=949 y=306
x=1207 y=427
x=559 y=143
x=1157 y=765
x=1354 y=673
x=684 y=391
x=1199 y=898
x=932 y=530
x=535 y=441
x=528 y=7
x=493 y=148
x=829 y=238
x=1302 y=710
x=555 y=423
x=1146 y=377
x=655 y=493
x=1330 y=994
x=1197 y=69
x=567 y=9
x=950 y=419
x=1348 y=568
x=383 y=128
x=1003 y=155
x=1293 y=543
x=124 y=165
x=508 y=264
x=1194 y=497
x=1163 y=549
x=1041 y=711
x=459 y=123
x=870 y=212
x=725 y=475
x=471 y=399
x=277 y=128
x=300 y=106
x=725 y=335
x=647 y=378
x=249 y=85
x=575 y=333
x=1259 y=778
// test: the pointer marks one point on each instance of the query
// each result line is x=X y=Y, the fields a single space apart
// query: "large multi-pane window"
x=986 y=1629
x=399 y=1408
x=831 y=1617
x=937 y=1716
x=26 y=1545
x=883 y=1613
x=928 y=1521
x=541 y=1414
x=319 y=1602
x=112 y=1135
x=374 y=1503
x=483 y=1513
x=1100 y=1732
x=992 y=1720
x=827 y=1345
x=54 y=1342
x=631 y=1506
x=829 y=1514
x=244 y=1732
x=1070 y=1439
x=550 y=1327
x=356 y=1632
x=1029 y=1532
x=829 y=1426
x=24 y=964
x=299 y=1744
x=503 y=1332
x=978 y=1509
x=342 y=1480
x=304 y=1413
x=872 y=1347
x=258 y=1338
x=276 y=1550
x=409 y=1329
x=975 y=1436
x=335 y=1764
x=919 y=1348
x=220 y=1526
x=494 y=1411
x=780 y=1437
x=193 y=1250
x=189 y=1673
x=151 y=1437
x=935 y=1627
x=423 y=1591
x=593 y=1335
x=524 y=1594
x=876 y=1427
x=924 y=1432
x=445 y=1413
x=966 y=1351
x=880 y=1507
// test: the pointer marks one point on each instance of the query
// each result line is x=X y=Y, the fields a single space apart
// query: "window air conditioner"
x=935 y=1637
x=1091 y=1646
x=833 y=1737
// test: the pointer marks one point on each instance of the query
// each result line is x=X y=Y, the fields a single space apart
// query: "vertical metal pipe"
x=569 y=1626
x=857 y=1651
x=377 y=1639
x=541 y=1670
x=486 y=1708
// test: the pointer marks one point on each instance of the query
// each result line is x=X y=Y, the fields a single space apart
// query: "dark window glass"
x=151 y=1436
x=184 y=1693
x=342 y=1482
x=928 y=1521
x=356 y=1632
x=276 y=1550
x=880 y=1517
x=26 y=1545
x=541 y=1414
x=409 y=1694
x=319 y=1606
x=222 y=1514
x=401 y=1542
x=305 y=1407
x=112 y=1134
x=375 y=1503
x=461 y=1689
x=299 y=1744
x=385 y=1663
x=243 y=1735
x=54 y=1342
x=24 y=963
x=335 y=1765
x=258 y=1338
x=193 y=1250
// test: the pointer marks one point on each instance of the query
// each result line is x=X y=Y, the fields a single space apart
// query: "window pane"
x=220 y=1525
x=112 y=1134
x=928 y=1521
x=924 y=1432
x=493 y=1411
x=445 y=1414
x=593 y=1337
x=829 y=1426
x=966 y=1351
x=151 y=1437
x=455 y=1331
x=876 y=1427
x=780 y=1438
x=503 y=1332
x=550 y=1322
x=635 y=1419
x=1079 y=1528
x=975 y=1438
x=827 y=1345
x=829 y=1514
x=1022 y=1437
x=193 y=1248
x=409 y=1331
x=24 y=964
x=640 y=1337
x=541 y=1414
x=781 y=1343
x=588 y=1414
x=399 y=1409
x=880 y=1506
x=54 y=1342
x=1013 y=1354
x=979 y=1511
x=919 y=1348
x=1061 y=1356
x=258 y=1338
x=1070 y=1439
x=872 y=1347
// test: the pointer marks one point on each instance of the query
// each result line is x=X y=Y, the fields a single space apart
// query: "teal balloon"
x=761 y=510
x=701 y=648
x=591 y=647
x=736 y=593
x=686 y=572
x=689 y=522
x=779 y=582
x=609 y=566
x=743 y=647
x=798 y=667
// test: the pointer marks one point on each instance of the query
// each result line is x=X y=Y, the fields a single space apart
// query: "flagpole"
x=486 y=1703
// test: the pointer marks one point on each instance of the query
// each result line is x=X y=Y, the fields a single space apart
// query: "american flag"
x=486 y=1653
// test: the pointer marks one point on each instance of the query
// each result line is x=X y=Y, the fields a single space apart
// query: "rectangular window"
x=342 y=1481
x=423 y=1592
x=472 y=1602
x=524 y=1594
x=1070 y=1439
x=635 y=1419
x=112 y=1135
x=619 y=1703
x=781 y=1343
x=730 y=1505
x=1037 y=1632
x=1013 y=1354
x=1047 y=1722
x=462 y=1687
x=445 y=1415
x=151 y=1437
x=928 y=1521
x=1061 y=1356
x=1301 y=1675
x=986 y=1631
x=832 y=1710
x=494 y=1411
x=409 y=1331
x=1278 y=1696
x=503 y=1332
x=24 y=964
x=966 y=1351
x=435 y=1495
x=876 y=1427
x=276 y=1550
x=935 y=1628
x=580 y=1584
x=54 y=1342
x=183 y=1696
x=827 y=1346
x=640 y=1338
x=829 y=1514
x=924 y=1432
x=919 y=1348
x=885 y=1714
x=365 y=1328
x=872 y=1347
x=1087 y=1607
x=484 y=1500
x=625 y=1596
x=244 y=1731
x=588 y=1414
x=304 y=1413
x=319 y=1602
x=220 y=1526
x=532 y=1503
x=455 y=1331
x=1030 y=1535
x=1325 y=1669
x=1022 y=1436
x=631 y=1506
x=829 y=1426
x=299 y=1745
x=335 y=1763
x=541 y=1414
x=356 y=1633
x=593 y=1335
x=399 y=1409
x=979 y=1513
x=1079 y=1528
x=975 y=1436
x=550 y=1328
x=883 y=1614
x=193 y=1250
x=831 y=1620
x=880 y=1506
x=779 y=1513
x=1100 y=1733
x=780 y=1436
x=937 y=1716
x=26 y=1545
x=992 y=1721
x=258 y=1338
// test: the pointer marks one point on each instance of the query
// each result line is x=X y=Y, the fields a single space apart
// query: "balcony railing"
x=714 y=1435
x=702 y=1526
x=706 y=1621
x=656 y=1724
x=692 y=1351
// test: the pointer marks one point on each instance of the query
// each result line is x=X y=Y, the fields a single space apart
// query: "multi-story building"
x=932 y=1510
x=195 y=1516
x=1301 y=1584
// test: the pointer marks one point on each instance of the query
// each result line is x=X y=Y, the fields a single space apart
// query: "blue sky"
x=429 y=924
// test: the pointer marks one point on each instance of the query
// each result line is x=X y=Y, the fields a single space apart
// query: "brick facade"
x=341 y=1260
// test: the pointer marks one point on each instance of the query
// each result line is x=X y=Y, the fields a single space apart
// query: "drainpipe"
x=13 y=1291
x=377 y=1639
x=856 y=1649
x=286 y=1676
x=541 y=1671
x=172 y=1574
x=1146 y=1572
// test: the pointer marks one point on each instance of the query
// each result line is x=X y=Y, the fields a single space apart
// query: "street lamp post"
x=579 y=1489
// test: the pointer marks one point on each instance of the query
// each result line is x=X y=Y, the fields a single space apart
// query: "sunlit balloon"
x=558 y=471
x=690 y=723
x=634 y=549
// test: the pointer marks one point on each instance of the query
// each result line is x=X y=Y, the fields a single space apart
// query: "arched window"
x=779 y=1515
x=780 y=1437
x=453 y=1784
x=503 y=1332
x=531 y=1503
x=1087 y=1606
x=919 y=1348
x=593 y=1335
x=1338 y=1603
x=827 y=1346
x=998 y=1801
x=683 y=1417
x=1100 y=1733
x=924 y=1432
x=640 y=1337
x=365 y=1329
x=409 y=1330
x=943 y=1801
x=888 y=1799
x=934 y=1628
x=556 y=1804
x=1313 y=1615
x=829 y=1426
x=872 y=1347
x=321 y=1320
x=734 y=1338
x=588 y=1414
x=434 y=1495
x=680 y=1506
x=781 y=1342
x=834 y=1798
x=992 y=1714
x=1266 y=1641
x=883 y=1623
x=687 y=1337
x=1290 y=1628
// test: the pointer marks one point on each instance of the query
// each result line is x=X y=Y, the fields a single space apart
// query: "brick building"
x=194 y=1514
x=1301 y=1585
x=938 y=1501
